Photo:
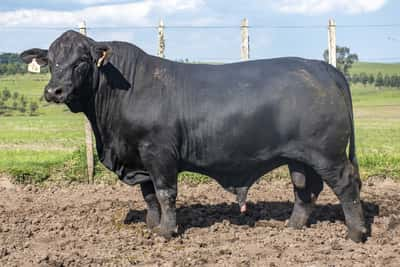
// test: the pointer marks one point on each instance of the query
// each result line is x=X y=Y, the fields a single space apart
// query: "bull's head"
x=72 y=59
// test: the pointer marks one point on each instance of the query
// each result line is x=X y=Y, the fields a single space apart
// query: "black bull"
x=153 y=118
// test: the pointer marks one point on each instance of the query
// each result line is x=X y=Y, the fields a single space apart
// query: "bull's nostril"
x=58 y=91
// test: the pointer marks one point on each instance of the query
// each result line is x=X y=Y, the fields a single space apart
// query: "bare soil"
x=93 y=225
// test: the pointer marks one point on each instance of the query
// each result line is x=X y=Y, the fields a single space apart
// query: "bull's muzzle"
x=54 y=94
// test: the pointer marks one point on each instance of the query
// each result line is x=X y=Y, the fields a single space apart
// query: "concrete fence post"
x=161 y=40
x=332 y=42
x=88 y=130
x=245 y=41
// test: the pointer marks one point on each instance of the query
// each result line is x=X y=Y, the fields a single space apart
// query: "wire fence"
x=218 y=43
x=221 y=43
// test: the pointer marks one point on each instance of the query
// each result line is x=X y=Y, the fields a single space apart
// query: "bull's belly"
x=233 y=170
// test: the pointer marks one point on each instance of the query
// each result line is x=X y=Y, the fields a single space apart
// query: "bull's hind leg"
x=346 y=184
x=307 y=186
x=153 y=207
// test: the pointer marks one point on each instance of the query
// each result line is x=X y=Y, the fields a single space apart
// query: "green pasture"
x=374 y=68
x=50 y=146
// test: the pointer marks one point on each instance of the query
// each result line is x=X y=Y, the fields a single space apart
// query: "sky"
x=33 y=23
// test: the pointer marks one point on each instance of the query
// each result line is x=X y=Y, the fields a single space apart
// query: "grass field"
x=50 y=145
x=374 y=68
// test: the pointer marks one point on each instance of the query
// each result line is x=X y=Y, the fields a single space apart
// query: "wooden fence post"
x=88 y=130
x=161 y=40
x=245 y=45
x=332 y=42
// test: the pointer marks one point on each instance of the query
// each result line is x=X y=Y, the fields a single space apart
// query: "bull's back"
x=246 y=114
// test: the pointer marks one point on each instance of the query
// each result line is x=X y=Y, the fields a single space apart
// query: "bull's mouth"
x=70 y=100
x=58 y=99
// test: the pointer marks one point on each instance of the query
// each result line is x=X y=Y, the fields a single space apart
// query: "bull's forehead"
x=68 y=47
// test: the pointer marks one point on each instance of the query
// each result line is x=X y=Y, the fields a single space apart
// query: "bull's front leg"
x=162 y=167
x=153 y=206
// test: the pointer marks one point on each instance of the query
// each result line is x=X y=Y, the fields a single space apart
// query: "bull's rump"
x=242 y=117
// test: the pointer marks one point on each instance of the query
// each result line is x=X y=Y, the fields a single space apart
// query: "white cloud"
x=325 y=6
x=94 y=2
x=136 y=13
x=91 y=2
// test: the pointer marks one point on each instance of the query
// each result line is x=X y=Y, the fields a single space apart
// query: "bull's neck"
x=112 y=83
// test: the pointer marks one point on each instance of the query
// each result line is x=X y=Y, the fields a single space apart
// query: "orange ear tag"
x=103 y=57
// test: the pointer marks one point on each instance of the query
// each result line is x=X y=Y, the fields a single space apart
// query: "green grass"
x=50 y=146
x=377 y=121
x=37 y=148
x=374 y=68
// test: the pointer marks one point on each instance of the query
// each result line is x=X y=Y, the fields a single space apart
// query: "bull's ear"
x=100 y=54
x=35 y=53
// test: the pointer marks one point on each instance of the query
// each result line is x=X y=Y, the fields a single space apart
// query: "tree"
x=10 y=63
x=344 y=59
x=364 y=78
x=393 y=81
x=386 y=80
x=23 y=100
x=15 y=95
x=355 y=78
x=371 y=79
x=397 y=83
x=379 y=80
x=6 y=94
x=33 y=107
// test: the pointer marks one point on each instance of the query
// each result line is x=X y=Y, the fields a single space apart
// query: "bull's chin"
x=74 y=106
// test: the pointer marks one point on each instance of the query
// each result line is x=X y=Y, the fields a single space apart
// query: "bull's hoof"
x=358 y=234
x=152 y=218
x=300 y=215
x=298 y=221
x=166 y=232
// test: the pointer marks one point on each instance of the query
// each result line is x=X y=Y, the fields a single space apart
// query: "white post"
x=82 y=27
x=161 y=40
x=332 y=42
x=88 y=130
x=245 y=44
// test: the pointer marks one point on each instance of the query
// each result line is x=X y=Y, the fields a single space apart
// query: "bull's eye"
x=81 y=66
x=80 y=70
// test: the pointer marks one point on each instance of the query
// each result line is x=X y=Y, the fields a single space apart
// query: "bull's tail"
x=352 y=145
x=342 y=83
x=352 y=141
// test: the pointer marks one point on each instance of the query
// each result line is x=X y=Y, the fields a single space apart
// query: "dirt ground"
x=92 y=225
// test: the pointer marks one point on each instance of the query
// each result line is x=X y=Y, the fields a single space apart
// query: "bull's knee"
x=298 y=179
x=298 y=175
x=305 y=199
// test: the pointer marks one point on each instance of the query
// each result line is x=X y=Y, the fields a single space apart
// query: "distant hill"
x=374 y=68
x=7 y=58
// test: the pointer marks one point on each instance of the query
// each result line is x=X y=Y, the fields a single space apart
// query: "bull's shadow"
x=206 y=215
